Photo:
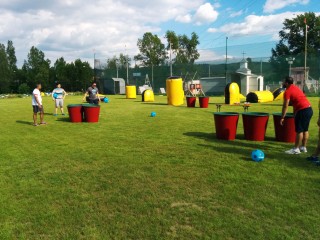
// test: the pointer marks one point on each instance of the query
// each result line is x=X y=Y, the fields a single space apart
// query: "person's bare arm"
x=284 y=110
x=84 y=97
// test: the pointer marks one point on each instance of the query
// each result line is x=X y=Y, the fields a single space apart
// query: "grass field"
x=131 y=176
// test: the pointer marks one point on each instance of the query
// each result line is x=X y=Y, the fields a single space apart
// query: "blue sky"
x=79 y=29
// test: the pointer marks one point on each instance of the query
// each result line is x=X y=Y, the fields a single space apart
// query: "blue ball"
x=153 y=114
x=106 y=100
x=55 y=95
x=257 y=155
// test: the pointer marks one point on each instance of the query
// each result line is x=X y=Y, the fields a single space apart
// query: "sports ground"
x=132 y=176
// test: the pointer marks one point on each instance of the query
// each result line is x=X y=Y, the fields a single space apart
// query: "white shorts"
x=59 y=102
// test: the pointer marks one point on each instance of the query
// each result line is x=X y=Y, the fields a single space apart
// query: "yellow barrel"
x=234 y=93
x=175 y=93
x=131 y=92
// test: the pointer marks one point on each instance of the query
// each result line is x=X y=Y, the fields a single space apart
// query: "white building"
x=246 y=80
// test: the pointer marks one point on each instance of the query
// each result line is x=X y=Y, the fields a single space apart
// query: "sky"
x=103 y=28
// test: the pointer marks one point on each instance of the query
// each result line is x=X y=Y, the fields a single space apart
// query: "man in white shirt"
x=37 y=105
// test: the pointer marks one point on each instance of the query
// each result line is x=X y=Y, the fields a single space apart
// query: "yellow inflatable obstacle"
x=232 y=94
x=278 y=94
x=131 y=92
x=260 y=97
x=175 y=93
x=148 y=96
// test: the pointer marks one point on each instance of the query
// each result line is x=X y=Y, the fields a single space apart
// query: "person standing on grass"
x=315 y=156
x=93 y=93
x=58 y=95
x=37 y=105
x=302 y=114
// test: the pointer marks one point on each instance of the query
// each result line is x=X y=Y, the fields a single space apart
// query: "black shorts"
x=302 y=119
x=94 y=101
x=36 y=109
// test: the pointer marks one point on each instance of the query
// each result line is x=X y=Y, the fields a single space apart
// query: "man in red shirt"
x=302 y=114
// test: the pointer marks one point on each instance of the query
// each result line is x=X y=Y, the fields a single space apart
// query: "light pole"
x=290 y=62
x=170 y=60
x=226 y=64
x=305 y=55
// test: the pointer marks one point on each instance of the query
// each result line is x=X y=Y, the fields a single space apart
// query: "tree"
x=118 y=62
x=4 y=71
x=183 y=47
x=37 y=68
x=12 y=64
x=152 y=50
x=292 y=41
x=84 y=74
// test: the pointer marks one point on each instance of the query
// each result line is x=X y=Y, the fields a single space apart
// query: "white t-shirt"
x=36 y=93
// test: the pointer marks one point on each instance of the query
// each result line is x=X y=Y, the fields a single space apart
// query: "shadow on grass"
x=63 y=120
x=156 y=104
x=24 y=122
x=201 y=135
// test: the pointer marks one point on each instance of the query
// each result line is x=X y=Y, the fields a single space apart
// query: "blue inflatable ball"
x=257 y=155
x=106 y=100
x=153 y=114
x=55 y=95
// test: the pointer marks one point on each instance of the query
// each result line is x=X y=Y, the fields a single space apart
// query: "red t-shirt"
x=297 y=98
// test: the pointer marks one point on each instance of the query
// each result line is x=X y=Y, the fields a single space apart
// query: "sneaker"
x=43 y=123
x=312 y=159
x=35 y=125
x=303 y=149
x=293 y=151
x=63 y=114
x=55 y=115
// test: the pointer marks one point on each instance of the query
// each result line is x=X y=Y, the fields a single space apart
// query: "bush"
x=24 y=89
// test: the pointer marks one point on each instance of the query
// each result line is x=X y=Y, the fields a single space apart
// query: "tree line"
x=74 y=76
x=180 y=50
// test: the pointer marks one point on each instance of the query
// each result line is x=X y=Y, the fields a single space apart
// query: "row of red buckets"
x=83 y=113
x=254 y=126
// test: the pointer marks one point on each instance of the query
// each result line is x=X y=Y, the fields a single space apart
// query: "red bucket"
x=255 y=125
x=204 y=102
x=75 y=113
x=91 y=113
x=226 y=125
x=285 y=133
x=191 y=101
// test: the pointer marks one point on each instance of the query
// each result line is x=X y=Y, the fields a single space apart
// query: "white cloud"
x=73 y=28
x=272 y=5
x=205 y=14
x=213 y=30
x=256 y=25
x=236 y=14
x=184 y=19
x=208 y=55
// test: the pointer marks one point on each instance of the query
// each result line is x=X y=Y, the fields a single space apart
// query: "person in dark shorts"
x=302 y=114
x=315 y=156
x=37 y=105
x=93 y=93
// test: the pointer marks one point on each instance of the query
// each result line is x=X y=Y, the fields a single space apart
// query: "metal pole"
x=209 y=70
x=94 y=66
x=305 y=57
x=261 y=66
x=226 y=65
x=152 y=76
x=170 y=61
x=127 y=70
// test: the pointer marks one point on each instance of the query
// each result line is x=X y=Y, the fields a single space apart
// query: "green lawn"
x=131 y=176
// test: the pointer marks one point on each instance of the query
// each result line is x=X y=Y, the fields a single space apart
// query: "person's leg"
x=34 y=118
x=299 y=137
x=42 y=116
x=307 y=115
x=305 y=139
x=61 y=106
